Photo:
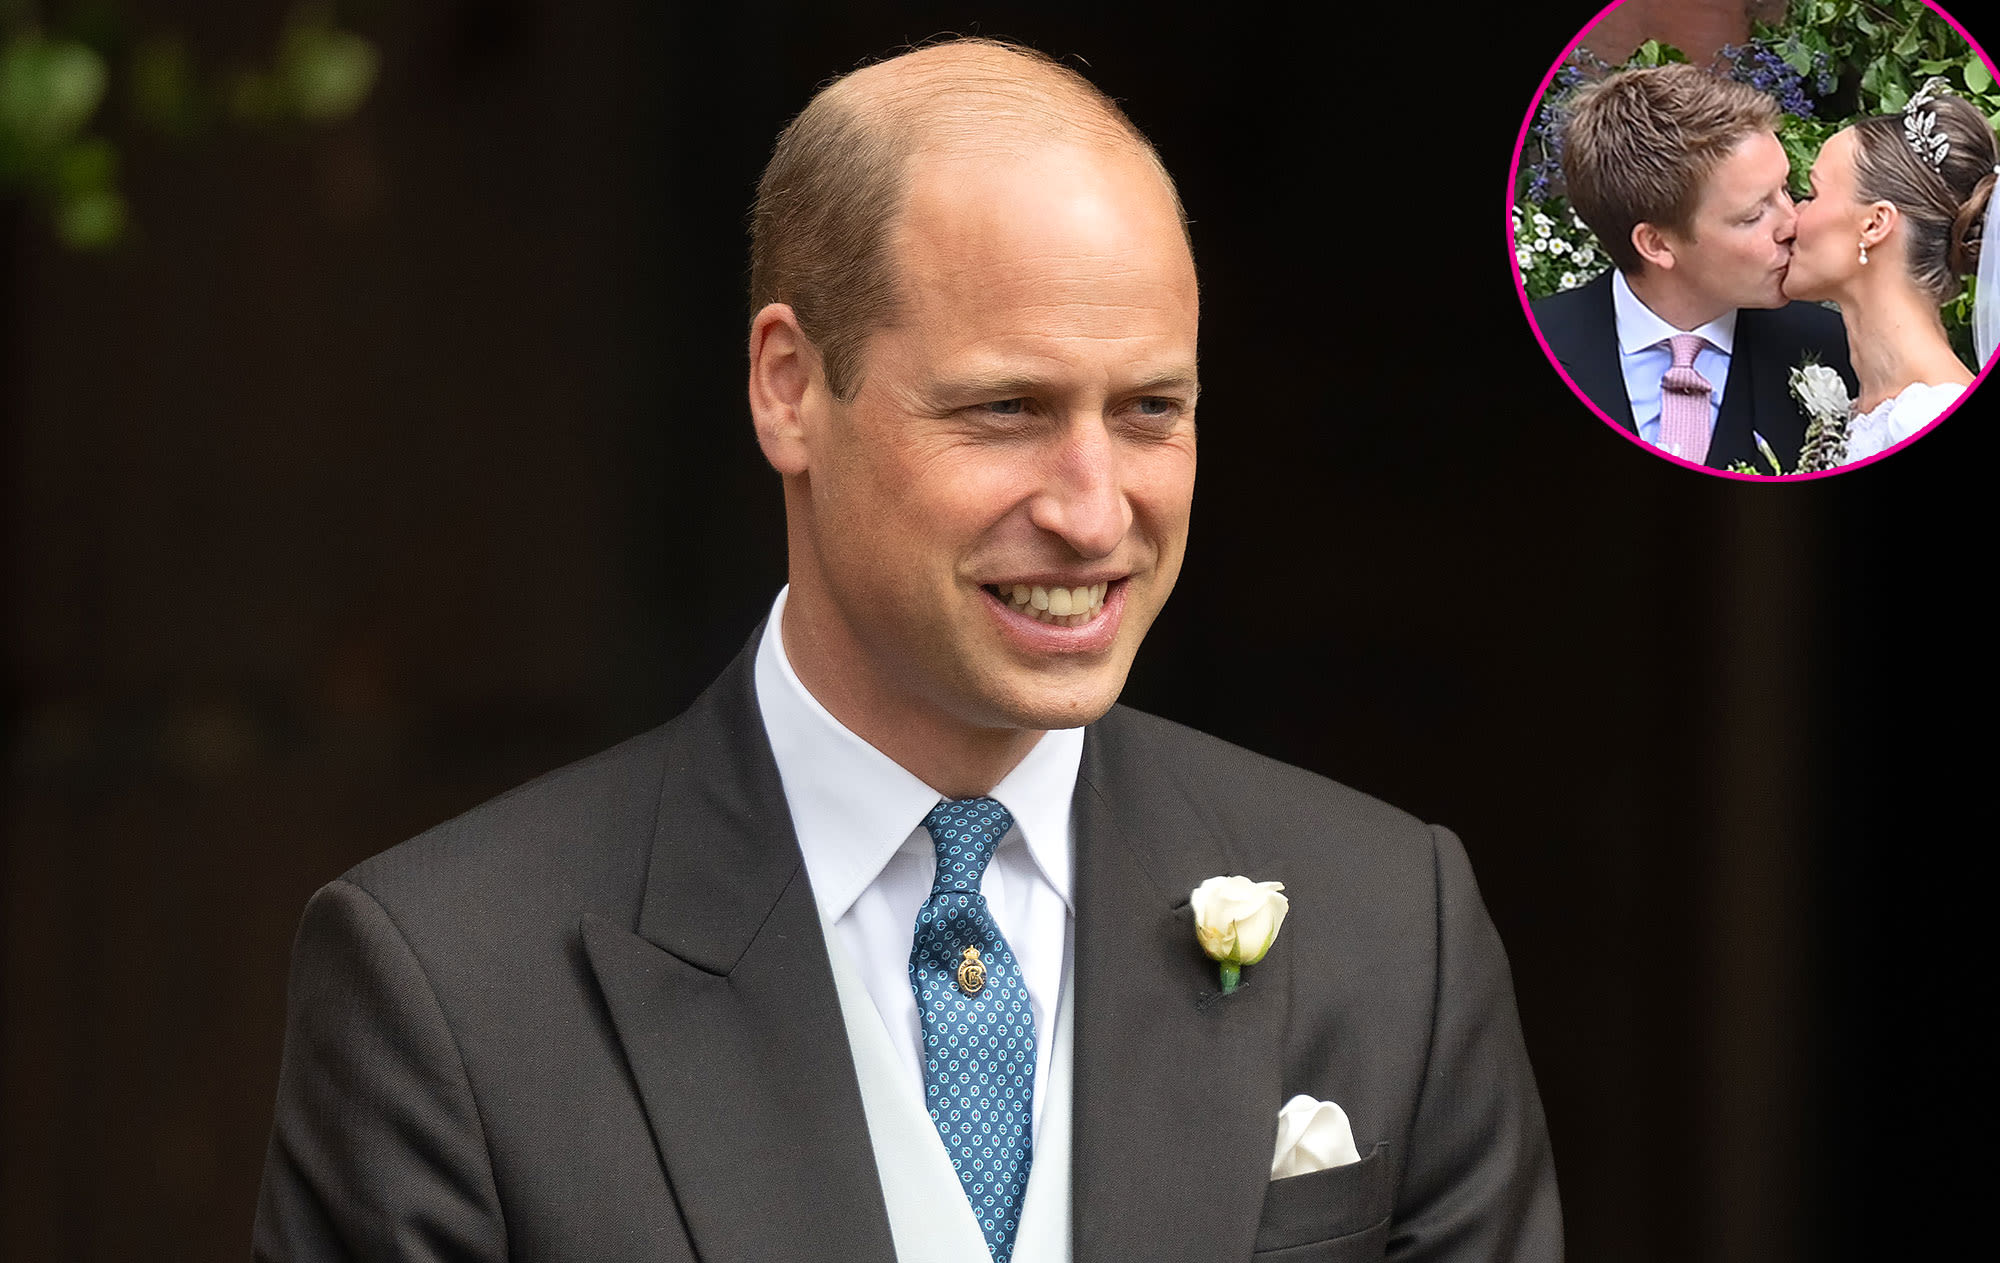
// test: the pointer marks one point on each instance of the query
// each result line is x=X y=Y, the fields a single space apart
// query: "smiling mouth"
x=1061 y=607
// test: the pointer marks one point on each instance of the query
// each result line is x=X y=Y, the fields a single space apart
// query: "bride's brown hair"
x=1944 y=206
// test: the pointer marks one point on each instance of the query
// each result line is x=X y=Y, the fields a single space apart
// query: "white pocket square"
x=1312 y=1136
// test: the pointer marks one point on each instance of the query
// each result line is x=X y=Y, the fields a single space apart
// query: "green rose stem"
x=1232 y=976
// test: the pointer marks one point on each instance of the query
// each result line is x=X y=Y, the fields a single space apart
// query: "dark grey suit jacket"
x=593 y=1019
x=1581 y=327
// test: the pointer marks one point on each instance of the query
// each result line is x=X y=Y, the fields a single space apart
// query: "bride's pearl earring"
x=1864 y=253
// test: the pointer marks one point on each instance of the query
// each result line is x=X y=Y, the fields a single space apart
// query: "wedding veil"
x=1986 y=292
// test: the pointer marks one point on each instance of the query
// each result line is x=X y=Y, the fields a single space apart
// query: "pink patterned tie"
x=1684 y=401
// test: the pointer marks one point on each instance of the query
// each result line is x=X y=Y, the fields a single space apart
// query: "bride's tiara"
x=1920 y=129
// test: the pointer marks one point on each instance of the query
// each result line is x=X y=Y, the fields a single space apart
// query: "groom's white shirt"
x=859 y=819
x=1644 y=356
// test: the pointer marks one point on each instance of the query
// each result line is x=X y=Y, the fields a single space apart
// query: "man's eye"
x=1157 y=412
x=1008 y=407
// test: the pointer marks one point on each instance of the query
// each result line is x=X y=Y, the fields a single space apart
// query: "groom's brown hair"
x=1638 y=146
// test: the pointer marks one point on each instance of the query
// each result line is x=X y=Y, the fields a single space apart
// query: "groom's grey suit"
x=594 y=1019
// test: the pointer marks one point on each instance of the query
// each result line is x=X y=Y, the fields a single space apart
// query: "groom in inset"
x=1688 y=341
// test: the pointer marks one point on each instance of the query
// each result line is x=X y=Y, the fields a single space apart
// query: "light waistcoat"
x=929 y=1218
x=858 y=816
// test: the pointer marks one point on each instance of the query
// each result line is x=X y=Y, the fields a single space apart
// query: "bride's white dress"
x=1895 y=419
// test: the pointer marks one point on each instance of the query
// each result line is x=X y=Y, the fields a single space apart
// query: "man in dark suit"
x=1688 y=342
x=674 y=1002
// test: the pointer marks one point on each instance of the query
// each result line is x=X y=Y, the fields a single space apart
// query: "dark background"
x=390 y=465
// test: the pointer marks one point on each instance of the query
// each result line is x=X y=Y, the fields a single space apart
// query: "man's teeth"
x=1065 y=607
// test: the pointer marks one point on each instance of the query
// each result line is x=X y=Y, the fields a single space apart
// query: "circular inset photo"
x=1762 y=239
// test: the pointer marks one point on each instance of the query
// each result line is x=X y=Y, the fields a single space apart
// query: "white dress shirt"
x=1645 y=357
x=859 y=819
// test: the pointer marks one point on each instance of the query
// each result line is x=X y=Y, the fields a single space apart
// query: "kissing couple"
x=1691 y=342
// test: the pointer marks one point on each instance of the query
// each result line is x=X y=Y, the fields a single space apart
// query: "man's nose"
x=1788 y=216
x=1082 y=499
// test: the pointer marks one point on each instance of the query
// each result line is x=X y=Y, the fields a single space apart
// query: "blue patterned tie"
x=979 y=1033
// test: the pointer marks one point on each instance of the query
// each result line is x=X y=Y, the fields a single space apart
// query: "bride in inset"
x=1900 y=206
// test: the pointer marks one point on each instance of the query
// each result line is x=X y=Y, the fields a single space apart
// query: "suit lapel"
x=725 y=1004
x=1176 y=1087
x=1589 y=353
x=1735 y=438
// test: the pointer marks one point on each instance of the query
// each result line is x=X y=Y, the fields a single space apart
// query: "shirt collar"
x=854 y=807
x=1639 y=329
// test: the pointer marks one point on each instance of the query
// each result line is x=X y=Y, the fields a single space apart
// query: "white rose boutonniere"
x=1820 y=390
x=1823 y=395
x=1236 y=920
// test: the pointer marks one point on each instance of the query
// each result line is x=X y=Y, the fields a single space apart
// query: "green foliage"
x=1654 y=53
x=57 y=87
x=1882 y=52
x=320 y=75
x=49 y=89
x=1957 y=315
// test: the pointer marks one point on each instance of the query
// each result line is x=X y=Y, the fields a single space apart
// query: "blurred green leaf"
x=94 y=221
x=48 y=89
x=327 y=73
x=1977 y=76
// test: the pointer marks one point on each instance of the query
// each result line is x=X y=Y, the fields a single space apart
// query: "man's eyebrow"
x=964 y=386
x=1172 y=381
x=957 y=390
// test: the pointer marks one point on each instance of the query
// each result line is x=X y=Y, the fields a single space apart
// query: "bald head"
x=840 y=175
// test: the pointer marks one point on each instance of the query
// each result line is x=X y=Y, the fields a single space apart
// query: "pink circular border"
x=1521 y=287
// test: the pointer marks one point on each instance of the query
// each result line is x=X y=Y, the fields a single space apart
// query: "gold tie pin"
x=971 y=974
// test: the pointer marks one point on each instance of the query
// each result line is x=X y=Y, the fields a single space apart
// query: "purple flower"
x=1761 y=65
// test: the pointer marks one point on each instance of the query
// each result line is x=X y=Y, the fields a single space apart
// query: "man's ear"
x=786 y=382
x=1653 y=245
